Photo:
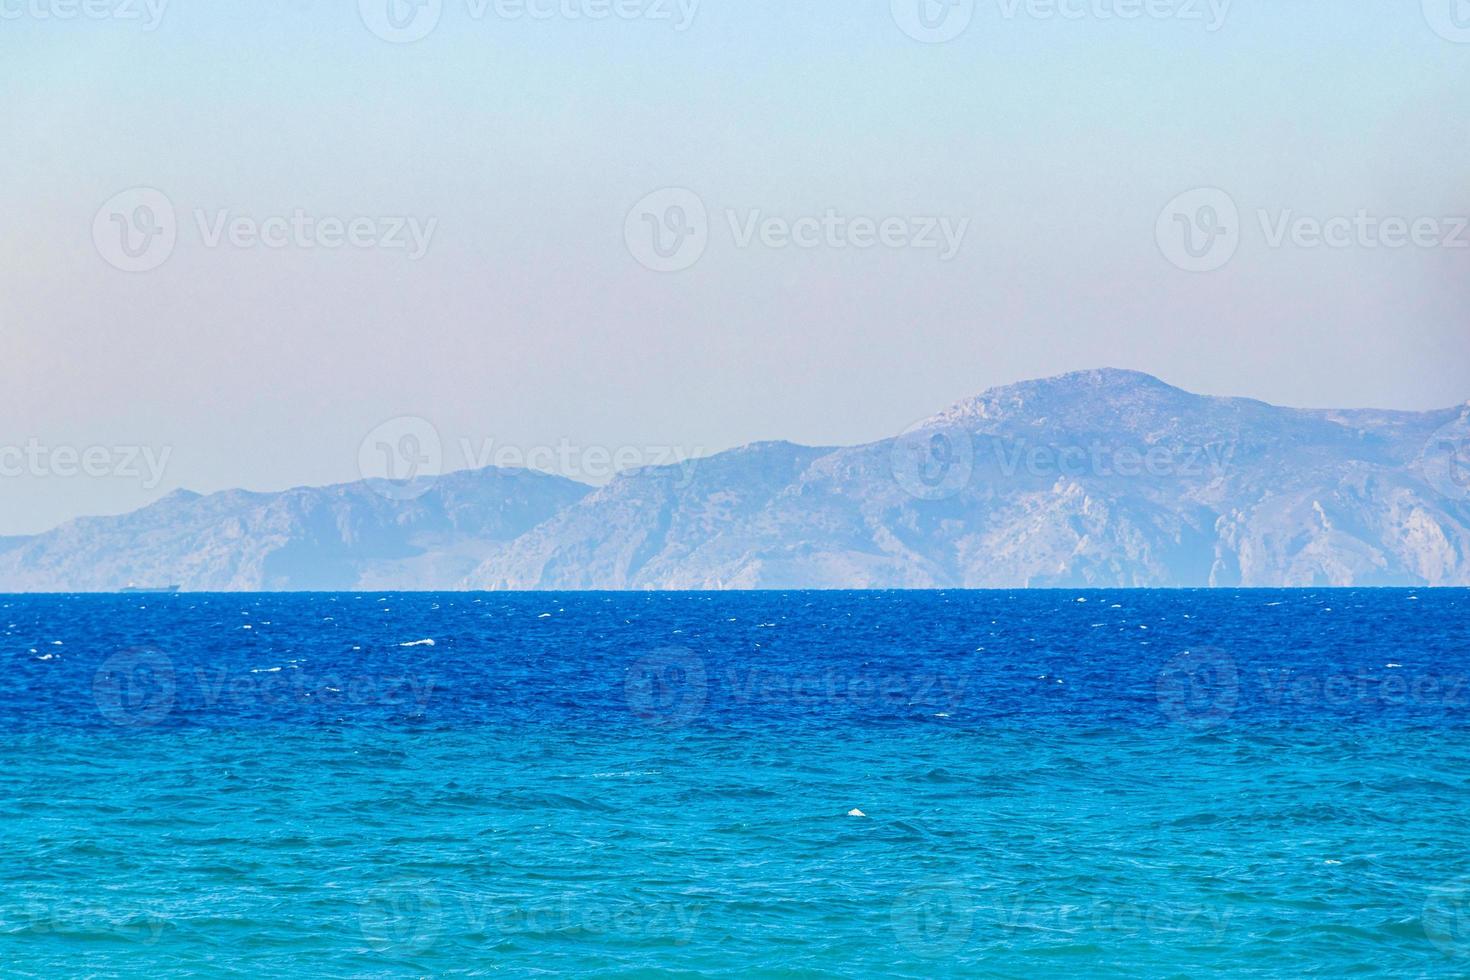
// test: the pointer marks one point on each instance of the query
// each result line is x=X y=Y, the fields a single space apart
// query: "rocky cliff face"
x=1101 y=478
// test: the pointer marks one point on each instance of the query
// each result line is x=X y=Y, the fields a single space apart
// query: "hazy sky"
x=1049 y=137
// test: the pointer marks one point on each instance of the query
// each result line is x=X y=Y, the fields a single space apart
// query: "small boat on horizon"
x=152 y=589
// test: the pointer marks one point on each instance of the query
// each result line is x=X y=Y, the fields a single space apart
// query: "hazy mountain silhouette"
x=1098 y=478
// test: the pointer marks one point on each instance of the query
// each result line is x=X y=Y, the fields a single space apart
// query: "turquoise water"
x=699 y=825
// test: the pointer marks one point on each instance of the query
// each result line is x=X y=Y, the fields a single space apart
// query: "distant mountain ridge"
x=305 y=539
x=1103 y=478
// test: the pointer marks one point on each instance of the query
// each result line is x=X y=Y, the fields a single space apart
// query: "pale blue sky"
x=529 y=322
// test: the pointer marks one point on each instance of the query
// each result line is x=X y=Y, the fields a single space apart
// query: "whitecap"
x=418 y=643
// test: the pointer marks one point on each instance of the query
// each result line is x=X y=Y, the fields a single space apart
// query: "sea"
x=783 y=784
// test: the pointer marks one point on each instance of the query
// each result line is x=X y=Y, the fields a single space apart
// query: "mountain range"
x=1103 y=478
